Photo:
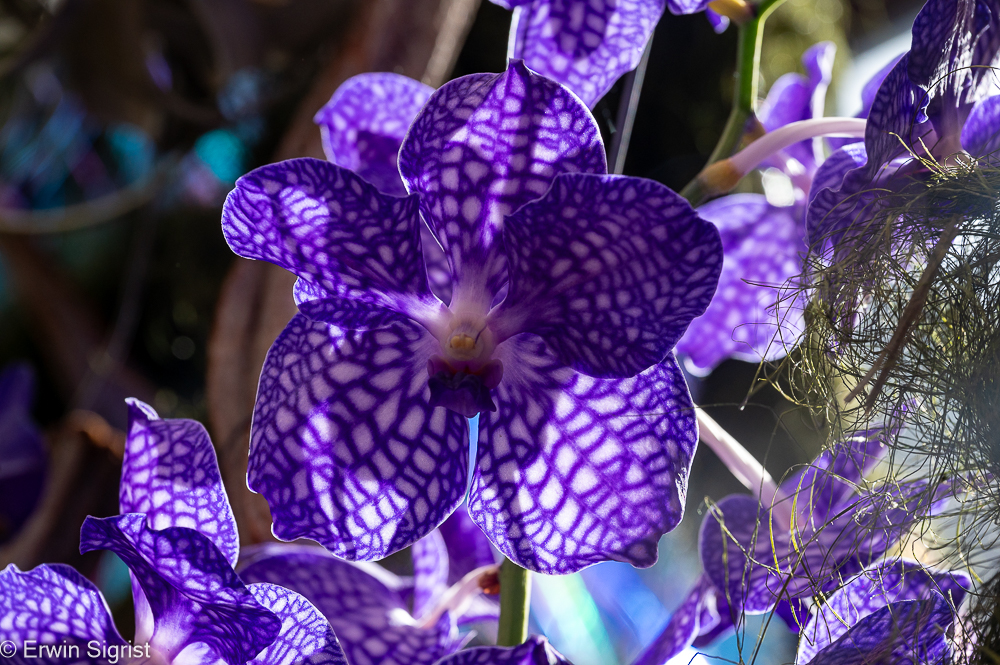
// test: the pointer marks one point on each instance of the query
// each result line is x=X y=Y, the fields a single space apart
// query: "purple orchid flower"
x=367 y=605
x=535 y=651
x=940 y=95
x=751 y=317
x=22 y=452
x=582 y=44
x=819 y=529
x=178 y=537
x=899 y=613
x=569 y=289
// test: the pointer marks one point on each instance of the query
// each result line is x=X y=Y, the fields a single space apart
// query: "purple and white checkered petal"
x=955 y=44
x=687 y=6
x=573 y=470
x=484 y=145
x=535 y=651
x=871 y=591
x=306 y=637
x=981 y=132
x=192 y=590
x=170 y=473
x=342 y=312
x=609 y=271
x=330 y=226
x=585 y=45
x=468 y=547
x=832 y=198
x=52 y=605
x=751 y=316
x=824 y=487
x=910 y=632
x=369 y=617
x=365 y=121
x=344 y=444
x=684 y=626
x=339 y=589
x=735 y=547
x=430 y=572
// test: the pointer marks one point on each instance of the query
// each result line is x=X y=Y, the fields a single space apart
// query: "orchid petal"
x=822 y=488
x=871 y=591
x=586 y=46
x=365 y=121
x=692 y=618
x=680 y=7
x=468 y=547
x=904 y=633
x=511 y=4
x=535 y=651
x=306 y=637
x=483 y=146
x=795 y=97
x=368 y=617
x=345 y=446
x=750 y=317
x=52 y=605
x=171 y=474
x=833 y=197
x=735 y=547
x=430 y=572
x=718 y=22
x=981 y=131
x=574 y=470
x=328 y=225
x=191 y=588
x=955 y=45
x=363 y=126
x=609 y=271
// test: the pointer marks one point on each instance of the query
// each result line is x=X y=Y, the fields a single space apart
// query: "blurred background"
x=124 y=123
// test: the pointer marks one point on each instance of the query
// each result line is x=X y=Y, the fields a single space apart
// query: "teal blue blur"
x=224 y=153
x=112 y=578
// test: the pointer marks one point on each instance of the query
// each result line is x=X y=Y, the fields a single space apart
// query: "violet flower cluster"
x=823 y=527
x=177 y=535
x=939 y=100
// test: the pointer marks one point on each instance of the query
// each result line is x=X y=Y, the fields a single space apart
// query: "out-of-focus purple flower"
x=899 y=613
x=941 y=95
x=584 y=44
x=535 y=651
x=753 y=315
x=819 y=529
x=22 y=452
x=178 y=537
x=569 y=289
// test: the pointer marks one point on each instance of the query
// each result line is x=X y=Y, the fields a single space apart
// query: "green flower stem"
x=515 y=598
x=751 y=35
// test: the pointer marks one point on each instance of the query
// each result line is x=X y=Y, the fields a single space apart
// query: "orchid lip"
x=461 y=390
